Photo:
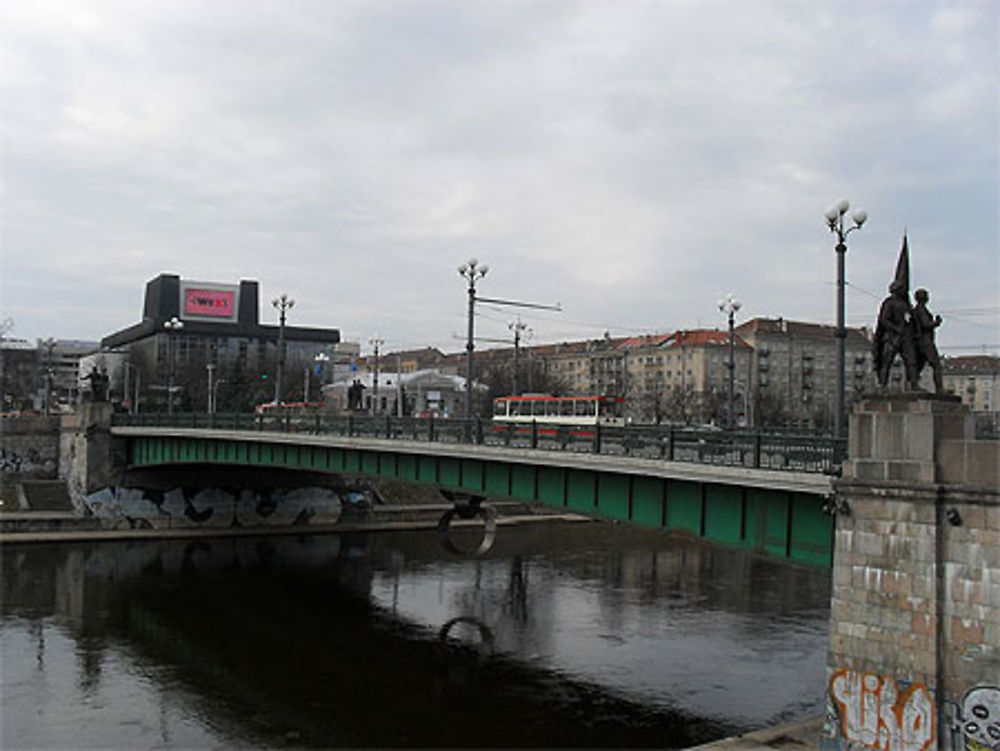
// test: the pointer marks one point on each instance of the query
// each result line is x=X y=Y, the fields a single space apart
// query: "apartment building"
x=794 y=369
x=976 y=379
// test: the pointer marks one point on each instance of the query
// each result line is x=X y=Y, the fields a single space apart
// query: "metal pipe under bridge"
x=758 y=491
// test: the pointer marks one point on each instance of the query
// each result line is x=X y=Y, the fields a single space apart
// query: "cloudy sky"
x=633 y=161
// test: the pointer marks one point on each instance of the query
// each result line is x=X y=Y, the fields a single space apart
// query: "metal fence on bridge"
x=743 y=448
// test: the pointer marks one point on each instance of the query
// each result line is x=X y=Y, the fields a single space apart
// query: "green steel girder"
x=782 y=523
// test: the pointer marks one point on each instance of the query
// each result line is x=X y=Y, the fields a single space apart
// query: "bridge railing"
x=737 y=448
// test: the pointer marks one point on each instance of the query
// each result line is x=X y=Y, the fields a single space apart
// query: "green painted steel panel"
x=612 y=496
x=647 y=501
x=337 y=460
x=352 y=460
x=427 y=469
x=684 y=505
x=449 y=471
x=369 y=463
x=552 y=486
x=522 y=481
x=497 y=480
x=580 y=488
x=387 y=464
x=811 y=529
x=753 y=531
x=406 y=469
x=724 y=513
x=472 y=475
x=776 y=522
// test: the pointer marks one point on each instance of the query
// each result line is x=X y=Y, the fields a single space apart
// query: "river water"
x=565 y=635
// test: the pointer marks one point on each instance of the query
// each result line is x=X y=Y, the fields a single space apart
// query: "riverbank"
x=47 y=527
x=803 y=735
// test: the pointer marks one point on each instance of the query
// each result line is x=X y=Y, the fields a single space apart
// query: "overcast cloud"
x=634 y=161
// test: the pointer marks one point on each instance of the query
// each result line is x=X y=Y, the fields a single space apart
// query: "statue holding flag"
x=895 y=333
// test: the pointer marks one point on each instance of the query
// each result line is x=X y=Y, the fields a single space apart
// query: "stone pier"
x=914 y=653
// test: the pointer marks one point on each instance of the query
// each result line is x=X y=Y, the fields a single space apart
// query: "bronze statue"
x=894 y=335
x=924 y=324
x=99 y=383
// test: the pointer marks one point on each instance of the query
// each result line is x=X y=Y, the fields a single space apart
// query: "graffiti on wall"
x=137 y=508
x=28 y=461
x=875 y=712
x=975 y=722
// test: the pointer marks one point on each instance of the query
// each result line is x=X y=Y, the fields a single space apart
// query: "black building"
x=220 y=325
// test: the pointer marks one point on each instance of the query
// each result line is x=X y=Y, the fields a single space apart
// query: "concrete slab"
x=798 y=735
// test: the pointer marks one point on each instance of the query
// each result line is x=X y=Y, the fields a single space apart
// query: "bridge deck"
x=791 y=481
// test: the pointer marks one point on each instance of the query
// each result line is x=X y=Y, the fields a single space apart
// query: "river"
x=564 y=635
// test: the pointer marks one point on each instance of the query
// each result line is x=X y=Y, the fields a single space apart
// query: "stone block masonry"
x=914 y=653
x=29 y=448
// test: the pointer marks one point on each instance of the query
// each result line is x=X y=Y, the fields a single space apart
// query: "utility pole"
x=49 y=344
x=399 y=386
x=282 y=305
x=517 y=327
x=376 y=343
x=210 y=367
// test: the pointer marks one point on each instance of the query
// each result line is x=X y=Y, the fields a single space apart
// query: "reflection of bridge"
x=724 y=487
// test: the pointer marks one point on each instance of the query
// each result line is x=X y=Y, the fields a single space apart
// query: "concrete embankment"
x=29 y=527
x=803 y=735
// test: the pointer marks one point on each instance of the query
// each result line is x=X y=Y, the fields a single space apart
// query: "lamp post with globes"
x=729 y=305
x=835 y=221
x=282 y=305
x=472 y=272
x=174 y=326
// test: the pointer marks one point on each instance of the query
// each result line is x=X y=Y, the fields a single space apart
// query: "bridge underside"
x=783 y=523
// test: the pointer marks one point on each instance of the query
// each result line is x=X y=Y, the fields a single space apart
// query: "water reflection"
x=591 y=635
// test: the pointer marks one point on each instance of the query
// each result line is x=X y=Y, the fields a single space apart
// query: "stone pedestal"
x=85 y=450
x=914 y=655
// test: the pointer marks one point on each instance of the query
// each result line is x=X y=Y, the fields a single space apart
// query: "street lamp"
x=173 y=326
x=729 y=305
x=376 y=343
x=281 y=304
x=835 y=221
x=472 y=271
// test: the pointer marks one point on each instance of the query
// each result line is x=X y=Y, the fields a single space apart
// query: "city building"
x=190 y=327
x=43 y=375
x=420 y=393
x=976 y=379
x=794 y=370
x=18 y=375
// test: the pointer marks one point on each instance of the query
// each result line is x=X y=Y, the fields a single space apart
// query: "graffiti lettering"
x=876 y=714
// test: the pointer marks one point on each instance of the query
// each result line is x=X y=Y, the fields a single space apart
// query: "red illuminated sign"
x=210 y=303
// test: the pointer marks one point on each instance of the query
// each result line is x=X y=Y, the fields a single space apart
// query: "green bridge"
x=709 y=488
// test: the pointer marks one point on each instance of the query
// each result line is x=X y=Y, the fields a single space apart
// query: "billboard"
x=216 y=302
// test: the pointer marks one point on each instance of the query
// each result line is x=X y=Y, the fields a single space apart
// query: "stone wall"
x=914 y=656
x=29 y=448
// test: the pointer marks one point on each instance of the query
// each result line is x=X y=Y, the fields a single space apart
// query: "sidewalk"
x=803 y=735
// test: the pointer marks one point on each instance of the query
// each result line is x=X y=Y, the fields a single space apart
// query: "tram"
x=562 y=410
